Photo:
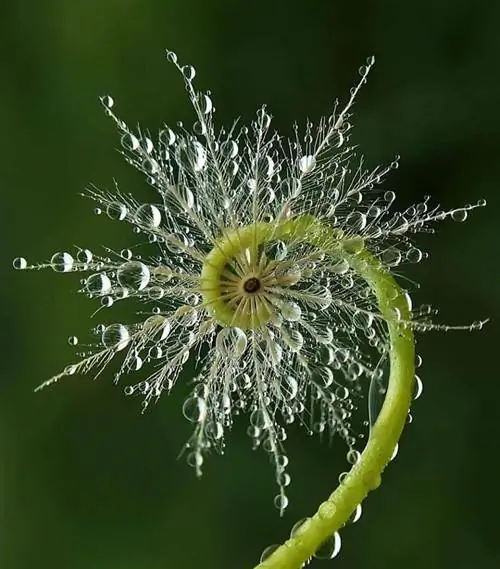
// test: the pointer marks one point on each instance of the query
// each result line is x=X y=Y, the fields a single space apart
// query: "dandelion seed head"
x=240 y=278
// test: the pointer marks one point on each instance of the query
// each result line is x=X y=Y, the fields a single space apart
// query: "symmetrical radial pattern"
x=244 y=268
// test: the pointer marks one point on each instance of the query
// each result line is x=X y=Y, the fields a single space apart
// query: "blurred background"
x=86 y=481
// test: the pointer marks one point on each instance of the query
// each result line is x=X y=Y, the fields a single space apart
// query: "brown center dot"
x=251 y=285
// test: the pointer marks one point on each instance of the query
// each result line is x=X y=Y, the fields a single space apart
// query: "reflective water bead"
x=115 y=336
x=205 y=103
x=291 y=311
x=414 y=255
x=19 y=263
x=189 y=72
x=194 y=409
x=329 y=548
x=62 y=262
x=133 y=275
x=280 y=502
x=307 y=164
x=72 y=340
x=116 y=210
x=85 y=256
x=231 y=342
x=107 y=101
x=391 y=257
x=148 y=215
x=268 y=551
x=129 y=141
x=459 y=215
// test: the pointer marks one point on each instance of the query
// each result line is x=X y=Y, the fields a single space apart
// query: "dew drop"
x=107 y=101
x=414 y=255
x=167 y=137
x=19 y=263
x=280 y=502
x=300 y=527
x=459 y=215
x=291 y=311
x=418 y=389
x=231 y=342
x=194 y=409
x=148 y=215
x=329 y=548
x=130 y=142
x=115 y=336
x=307 y=164
x=327 y=510
x=72 y=340
x=354 y=517
x=133 y=275
x=116 y=210
x=391 y=257
x=340 y=268
x=268 y=551
x=189 y=72
x=98 y=283
x=62 y=262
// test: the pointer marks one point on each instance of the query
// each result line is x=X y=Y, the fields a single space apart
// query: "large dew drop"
x=231 y=342
x=115 y=336
x=329 y=548
x=307 y=164
x=98 y=283
x=133 y=275
x=148 y=215
x=62 y=262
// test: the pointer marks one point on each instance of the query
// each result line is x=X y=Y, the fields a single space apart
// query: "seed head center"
x=251 y=285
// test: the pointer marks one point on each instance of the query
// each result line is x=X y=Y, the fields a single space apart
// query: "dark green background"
x=85 y=480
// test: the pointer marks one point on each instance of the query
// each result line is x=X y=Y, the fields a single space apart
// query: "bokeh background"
x=86 y=481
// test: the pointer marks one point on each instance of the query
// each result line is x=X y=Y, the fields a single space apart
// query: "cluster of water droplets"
x=322 y=352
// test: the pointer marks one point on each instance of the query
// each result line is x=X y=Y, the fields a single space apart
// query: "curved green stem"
x=394 y=306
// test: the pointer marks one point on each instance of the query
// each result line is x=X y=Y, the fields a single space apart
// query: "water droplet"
x=189 y=72
x=355 y=222
x=130 y=142
x=85 y=256
x=280 y=502
x=391 y=257
x=414 y=255
x=329 y=548
x=167 y=137
x=418 y=389
x=229 y=149
x=215 y=430
x=116 y=210
x=307 y=164
x=268 y=551
x=327 y=510
x=205 y=103
x=231 y=342
x=98 y=284
x=194 y=409
x=459 y=215
x=133 y=275
x=354 y=517
x=72 y=340
x=19 y=263
x=171 y=56
x=148 y=215
x=340 y=268
x=291 y=311
x=300 y=527
x=115 y=336
x=62 y=262
x=107 y=101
